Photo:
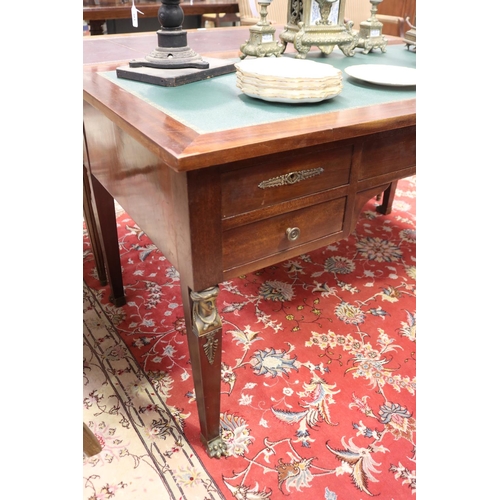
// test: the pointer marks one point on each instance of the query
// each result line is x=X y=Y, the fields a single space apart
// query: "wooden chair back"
x=357 y=11
x=249 y=12
x=278 y=12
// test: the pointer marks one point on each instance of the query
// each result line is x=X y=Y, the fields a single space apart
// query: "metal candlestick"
x=173 y=51
x=173 y=62
x=370 y=32
x=262 y=42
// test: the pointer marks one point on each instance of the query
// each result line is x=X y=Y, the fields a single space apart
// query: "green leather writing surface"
x=217 y=104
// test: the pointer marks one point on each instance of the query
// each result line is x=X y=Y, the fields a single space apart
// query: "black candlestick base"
x=173 y=51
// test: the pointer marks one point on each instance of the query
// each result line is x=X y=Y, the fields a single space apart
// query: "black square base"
x=177 y=77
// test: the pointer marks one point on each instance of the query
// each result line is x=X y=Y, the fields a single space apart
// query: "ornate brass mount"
x=206 y=320
x=216 y=447
x=291 y=178
x=370 y=32
x=262 y=42
x=319 y=23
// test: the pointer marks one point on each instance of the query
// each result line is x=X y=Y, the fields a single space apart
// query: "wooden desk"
x=97 y=12
x=201 y=196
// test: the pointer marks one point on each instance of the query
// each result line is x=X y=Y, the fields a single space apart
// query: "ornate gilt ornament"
x=206 y=319
x=291 y=178
x=216 y=448
x=411 y=36
x=262 y=42
x=318 y=23
x=210 y=347
x=370 y=32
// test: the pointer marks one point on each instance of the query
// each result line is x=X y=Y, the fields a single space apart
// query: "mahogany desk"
x=97 y=12
x=200 y=191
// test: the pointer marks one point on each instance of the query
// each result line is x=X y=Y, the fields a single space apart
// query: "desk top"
x=189 y=143
x=217 y=104
x=120 y=9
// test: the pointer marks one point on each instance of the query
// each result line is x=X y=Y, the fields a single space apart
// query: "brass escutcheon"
x=291 y=178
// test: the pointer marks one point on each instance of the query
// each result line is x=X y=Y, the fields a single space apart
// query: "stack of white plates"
x=283 y=79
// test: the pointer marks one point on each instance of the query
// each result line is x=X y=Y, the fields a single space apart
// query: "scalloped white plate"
x=289 y=100
x=287 y=68
x=383 y=74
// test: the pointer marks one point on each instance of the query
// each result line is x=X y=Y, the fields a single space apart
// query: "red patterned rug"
x=319 y=370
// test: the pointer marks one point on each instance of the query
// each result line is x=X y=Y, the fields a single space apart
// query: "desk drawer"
x=388 y=152
x=255 y=241
x=284 y=177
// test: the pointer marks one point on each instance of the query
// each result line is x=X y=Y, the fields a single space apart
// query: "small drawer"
x=281 y=178
x=253 y=242
x=388 y=152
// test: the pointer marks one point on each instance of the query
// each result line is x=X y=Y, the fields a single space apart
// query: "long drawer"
x=272 y=236
x=277 y=179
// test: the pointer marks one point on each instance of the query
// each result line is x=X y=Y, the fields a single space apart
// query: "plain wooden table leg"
x=90 y=221
x=106 y=219
x=96 y=27
x=386 y=206
x=204 y=332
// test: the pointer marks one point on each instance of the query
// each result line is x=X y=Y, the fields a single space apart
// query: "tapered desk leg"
x=386 y=206
x=90 y=221
x=204 y=330
x=106 y=222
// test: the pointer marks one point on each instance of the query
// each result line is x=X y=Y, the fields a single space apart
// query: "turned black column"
x=171 y=17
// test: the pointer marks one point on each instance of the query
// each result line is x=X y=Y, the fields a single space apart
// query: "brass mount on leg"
x=216 y=447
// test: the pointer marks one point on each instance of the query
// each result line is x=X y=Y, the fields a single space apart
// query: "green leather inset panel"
x=217 y=104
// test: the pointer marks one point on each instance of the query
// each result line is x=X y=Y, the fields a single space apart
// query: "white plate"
x=289 y=100
x=287 y=68
x=382 y=74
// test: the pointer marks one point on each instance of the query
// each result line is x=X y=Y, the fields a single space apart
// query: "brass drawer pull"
x=293 y=233
x=291 y=178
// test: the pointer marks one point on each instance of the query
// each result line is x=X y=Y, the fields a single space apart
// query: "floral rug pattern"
x=144 y=454
x=318 y=375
